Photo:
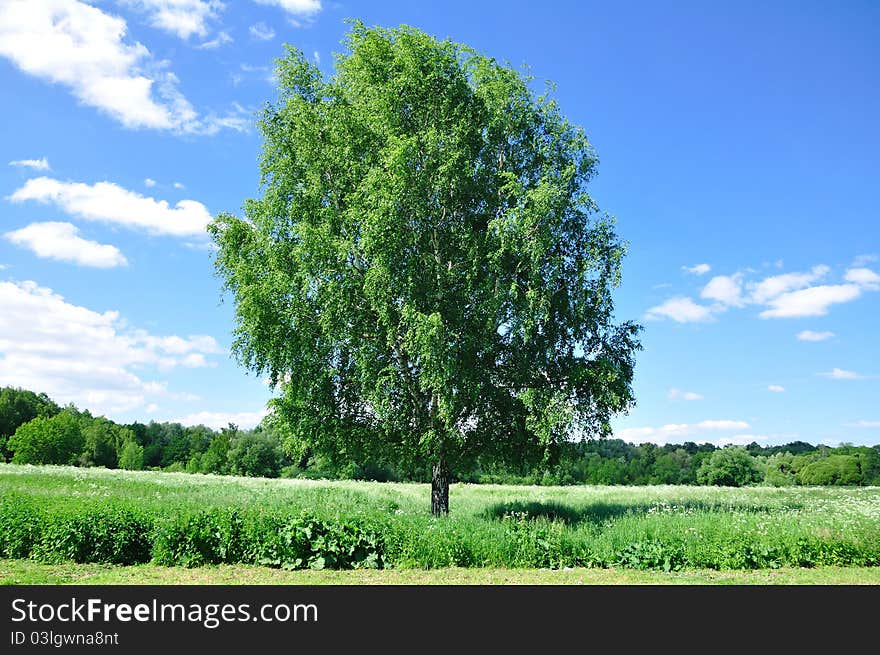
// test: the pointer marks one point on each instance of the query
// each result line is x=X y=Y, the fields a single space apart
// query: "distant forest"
x=36 y=430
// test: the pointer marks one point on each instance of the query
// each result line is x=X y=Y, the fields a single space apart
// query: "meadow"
x=59 y=515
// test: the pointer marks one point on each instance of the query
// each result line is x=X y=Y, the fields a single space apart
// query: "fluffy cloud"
x=299 y=8
x=678 y=394
x=810 y=335
x=789 y=295
x=772 y=287
x=61 y=241
x=862 y=260
x=699 y=269
x=864 y=277
x=261 y=32
x=776 y=388
x=182 y=18
x=41 y=164
x=110 y=203
x=840 y=374
x=78 y=355
x=78 y=46
x=812 y=301
x=218 y=420
x=672 y=432
x=725 y=289
x=222 y=38
x=680 y=310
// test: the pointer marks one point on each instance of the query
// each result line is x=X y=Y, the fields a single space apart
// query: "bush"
x=729 y=467
x=255 y=454
x=832 y=470
x=112 y=535
x=132 y=456
x=48 y=440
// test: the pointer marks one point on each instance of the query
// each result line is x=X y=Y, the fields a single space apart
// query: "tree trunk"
x=440 y=488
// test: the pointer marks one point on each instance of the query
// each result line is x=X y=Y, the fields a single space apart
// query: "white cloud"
x=178 y=185
x=317 y=57
x=678 y=394
x=725 y=289
x=810 y=335
x=78 y=46
x=774 y=286
x=222 y=38
x=813 y=301
x=681 y=310
x=300 y=8
x=182 y=18
x=862 y=260
x=677 y=431
x=261 y=32
x=110 y=203
x=218 y=420
x=864 y=277
x=699 y=269
x=840 y=374
x=196 y=360
x=776 y=388
x=722 y=425
x=41 y=164
x=78 y=355
x=863 y=424
x=61 y=241
x=149 y=183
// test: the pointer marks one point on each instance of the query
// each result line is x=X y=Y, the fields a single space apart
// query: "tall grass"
x=64 y=513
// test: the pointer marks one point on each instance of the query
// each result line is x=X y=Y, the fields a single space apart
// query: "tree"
x=131 y=456
x=425 y=275
x=255 y=453
x=832 y=470
x=49 y=440
x=730 y=467
x=17 y=407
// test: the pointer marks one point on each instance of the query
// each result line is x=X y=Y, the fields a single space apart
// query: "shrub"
x=832 y=470
x=730 y=467
x=113 y=535
x=48 y=440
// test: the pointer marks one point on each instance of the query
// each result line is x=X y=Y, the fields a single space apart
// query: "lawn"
x=53 y=516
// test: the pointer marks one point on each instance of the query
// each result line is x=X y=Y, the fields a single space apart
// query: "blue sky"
x=739 y=151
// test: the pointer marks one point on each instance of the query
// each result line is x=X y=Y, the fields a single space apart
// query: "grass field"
x=26 y=572
x=57 y=515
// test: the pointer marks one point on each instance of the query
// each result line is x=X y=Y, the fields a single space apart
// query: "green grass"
x=26 y=572
x=55 y=514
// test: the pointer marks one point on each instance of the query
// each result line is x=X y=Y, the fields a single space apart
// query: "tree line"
x=36 y=430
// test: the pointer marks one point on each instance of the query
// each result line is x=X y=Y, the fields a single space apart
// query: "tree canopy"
x=424 y=274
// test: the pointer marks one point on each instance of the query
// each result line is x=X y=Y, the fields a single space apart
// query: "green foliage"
x=832 y=470
x=48 y=440
x=132 y=456
x=216 y=458
x=17 y=407
x=730 y=467
x=56 y=514
x=255 y=454
x=425 y=275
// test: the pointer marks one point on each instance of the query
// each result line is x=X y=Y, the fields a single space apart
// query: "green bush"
x=48 y=440
x=113 y=535
x=832 y=470
x=729 y=467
